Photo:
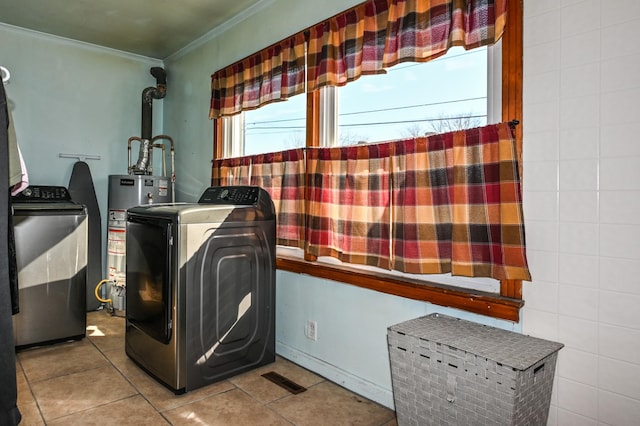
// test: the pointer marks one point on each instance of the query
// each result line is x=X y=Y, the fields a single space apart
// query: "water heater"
x=126 y=191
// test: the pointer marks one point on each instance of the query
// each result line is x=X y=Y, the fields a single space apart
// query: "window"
x=323 y=120
x=416 y=99
x=274 y=127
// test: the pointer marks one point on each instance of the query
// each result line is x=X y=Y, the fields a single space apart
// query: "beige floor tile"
x=105 y=331
x=82 y=383
x=24 y=390
x=132 y=411
x=64 y=395
x=229 y=408
x=266 y=391
x=30 y=414
x=158 y=394
x=104 y=318
x=329 y=404
x=60 y=359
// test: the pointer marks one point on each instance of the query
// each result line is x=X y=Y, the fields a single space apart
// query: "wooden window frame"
x=505 y=305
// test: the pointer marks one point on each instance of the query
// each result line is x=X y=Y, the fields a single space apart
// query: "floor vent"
x=282 y=381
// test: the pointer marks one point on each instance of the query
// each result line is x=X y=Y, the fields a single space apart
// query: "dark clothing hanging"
x=9 y=413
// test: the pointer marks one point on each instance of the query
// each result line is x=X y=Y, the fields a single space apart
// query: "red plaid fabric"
x=447 y=203
x=231 y=171
x=347 y=46
x=457 y=205
x=274 y=74
x=363 y=40
x=282 y=175
x=381 y=33
x=349 y=211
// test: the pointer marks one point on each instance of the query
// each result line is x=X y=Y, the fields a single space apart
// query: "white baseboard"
x=343 y=378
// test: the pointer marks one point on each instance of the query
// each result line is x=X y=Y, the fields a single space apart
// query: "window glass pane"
x=276 y=126
x=416 y=99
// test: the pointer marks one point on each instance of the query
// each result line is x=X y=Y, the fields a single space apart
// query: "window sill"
x=478 y=302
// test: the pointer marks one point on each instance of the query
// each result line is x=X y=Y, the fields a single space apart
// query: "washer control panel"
x=42 y=193
x=237 y=195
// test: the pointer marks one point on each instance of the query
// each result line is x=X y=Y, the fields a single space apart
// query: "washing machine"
x=51 y=234
x=201 y=287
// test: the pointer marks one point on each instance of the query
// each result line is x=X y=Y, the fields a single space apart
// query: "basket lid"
x=509 y=348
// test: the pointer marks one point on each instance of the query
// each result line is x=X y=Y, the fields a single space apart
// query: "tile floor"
x=92 y=382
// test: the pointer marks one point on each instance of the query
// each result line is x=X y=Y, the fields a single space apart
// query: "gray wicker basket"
x=448 y=371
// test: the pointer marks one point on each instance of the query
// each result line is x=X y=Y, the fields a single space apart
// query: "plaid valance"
x=363 y=40
x=274 y=74
x=381 y=33
x=445 y=203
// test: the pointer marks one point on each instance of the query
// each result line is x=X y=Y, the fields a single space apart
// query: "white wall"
x=74 y=98
x=582 y=202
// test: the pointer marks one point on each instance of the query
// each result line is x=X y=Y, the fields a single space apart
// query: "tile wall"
x=582 y=202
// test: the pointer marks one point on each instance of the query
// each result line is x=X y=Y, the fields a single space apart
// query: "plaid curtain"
x=349 y=210
x=273 y=74
x=282 y=175
x=363 y=40
x=231 y=171
x=447 y=203
x=457 y=205
x=381 y=33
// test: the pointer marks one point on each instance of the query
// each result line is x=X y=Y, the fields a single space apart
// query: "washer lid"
x=68 y=206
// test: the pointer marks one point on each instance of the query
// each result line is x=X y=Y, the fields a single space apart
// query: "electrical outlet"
x=311 y=330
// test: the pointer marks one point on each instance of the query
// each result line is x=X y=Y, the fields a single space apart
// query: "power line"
x=429 y=120
x=377 y=123
x=378 y=110
x=414 y=106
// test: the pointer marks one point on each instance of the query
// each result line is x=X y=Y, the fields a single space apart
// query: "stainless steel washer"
x=51 y=254
x=201 y=287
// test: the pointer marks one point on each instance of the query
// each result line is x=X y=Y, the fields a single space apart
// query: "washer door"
x=149 y=276
x=231 y=317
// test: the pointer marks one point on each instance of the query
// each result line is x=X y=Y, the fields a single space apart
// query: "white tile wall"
x=618 y=207
x=578 y=175
x=569 y=418
x=581 y=123
x=578 y=333
x=619 y=343
x=618 y=410
x=617 y=273
x=619 y=377
x=579 y=366
x=614 y=139
x=545 y=298
x=620 y=73
x=619 y=309
x=578 y=270
x=578 y=397
x=620 y=241
x=543 y=265
x=579 y=142
x=580 y=18
x=541 y=58
x=578 y=206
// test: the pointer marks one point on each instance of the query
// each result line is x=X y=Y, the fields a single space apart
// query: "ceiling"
x=152 y=28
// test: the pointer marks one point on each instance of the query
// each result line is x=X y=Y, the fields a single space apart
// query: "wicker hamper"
x=448 y=371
